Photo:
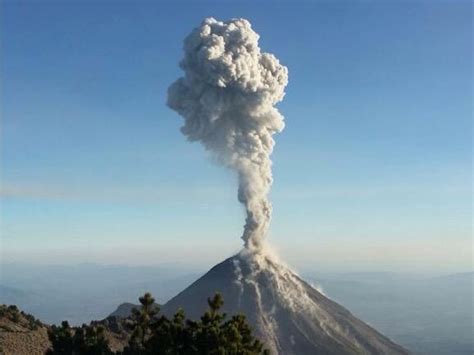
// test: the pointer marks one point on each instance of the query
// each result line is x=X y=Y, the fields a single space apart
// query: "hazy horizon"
x=189 y=261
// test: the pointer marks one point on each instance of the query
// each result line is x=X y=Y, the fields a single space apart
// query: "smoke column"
x=227 y=97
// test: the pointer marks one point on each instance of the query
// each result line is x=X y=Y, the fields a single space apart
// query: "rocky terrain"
x=21 y=333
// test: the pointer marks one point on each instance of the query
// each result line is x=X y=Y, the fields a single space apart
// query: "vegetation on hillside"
x=21 y=333
x=156 y=334
x=15 y=315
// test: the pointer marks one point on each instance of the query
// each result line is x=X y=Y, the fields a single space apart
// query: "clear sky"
x=372 y=172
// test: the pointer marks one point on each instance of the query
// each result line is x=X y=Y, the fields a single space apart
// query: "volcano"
x=227 y=97
x=289 y=315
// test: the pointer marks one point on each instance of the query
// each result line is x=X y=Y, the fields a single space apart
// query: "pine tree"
x=153 y=335
x=86 y=340
x=61 y=339
x=142 y=317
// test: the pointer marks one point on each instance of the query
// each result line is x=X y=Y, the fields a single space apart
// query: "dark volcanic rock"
x=289 y=315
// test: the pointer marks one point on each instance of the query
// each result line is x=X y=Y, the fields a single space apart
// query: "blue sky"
x=372 y=172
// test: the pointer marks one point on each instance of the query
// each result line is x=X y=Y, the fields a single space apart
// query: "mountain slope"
x=21 y=333
x=289 y=315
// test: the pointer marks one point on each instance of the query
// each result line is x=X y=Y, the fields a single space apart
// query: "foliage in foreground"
x=154 y=334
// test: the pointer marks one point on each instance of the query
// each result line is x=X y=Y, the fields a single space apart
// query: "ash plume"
x=227 y=97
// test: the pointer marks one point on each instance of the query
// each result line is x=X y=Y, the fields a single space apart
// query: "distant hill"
x=124 y=310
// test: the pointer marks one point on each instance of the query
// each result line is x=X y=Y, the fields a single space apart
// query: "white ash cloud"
x=227 y=97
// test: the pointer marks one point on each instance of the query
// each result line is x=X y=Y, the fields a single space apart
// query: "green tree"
x=142 y=318
x=86 y=340
x=159 y=335
x=212 y=335
x=91 y=340
x=232 y=337
x=61 y=339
